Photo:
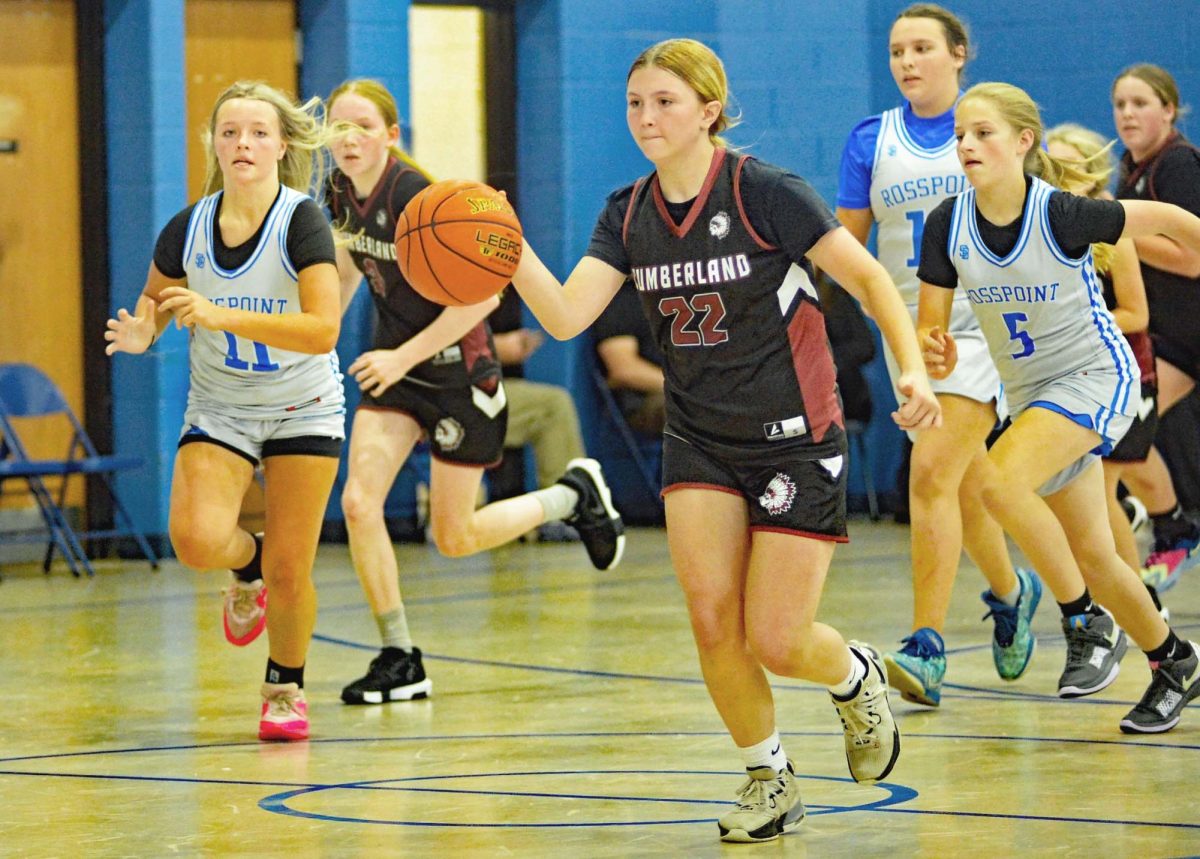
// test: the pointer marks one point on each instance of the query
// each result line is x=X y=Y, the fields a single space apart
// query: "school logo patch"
x=964 y=251
x=718 y=227
x=381 y=218
x=448 y=434
x=199 y=260
x=780 y=494
x=892 y=151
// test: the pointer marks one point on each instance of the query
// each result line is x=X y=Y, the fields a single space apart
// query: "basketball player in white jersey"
x=249 y=270
x=1022 y=253
x=896 y=167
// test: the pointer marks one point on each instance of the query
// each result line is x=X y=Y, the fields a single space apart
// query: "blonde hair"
x=700 y=68
x=953 y=27
x=1096 y=158
x=1159 y=80
x=303 y=165
x=376 y=93
x=1020 y=112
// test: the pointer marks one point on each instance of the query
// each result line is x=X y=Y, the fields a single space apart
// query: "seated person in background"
x=631 y=361
x=540 y=415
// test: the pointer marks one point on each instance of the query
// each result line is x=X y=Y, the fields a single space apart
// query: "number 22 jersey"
x=731 y=302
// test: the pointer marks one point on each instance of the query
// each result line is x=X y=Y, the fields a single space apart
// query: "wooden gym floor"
x=567 y=719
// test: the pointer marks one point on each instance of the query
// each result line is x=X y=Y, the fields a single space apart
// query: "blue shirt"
x=858 y=156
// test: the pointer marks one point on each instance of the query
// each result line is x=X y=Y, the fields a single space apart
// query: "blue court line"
x=568 y=735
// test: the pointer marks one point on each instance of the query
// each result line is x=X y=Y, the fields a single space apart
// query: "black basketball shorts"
x=465 y=425
x=784 y=492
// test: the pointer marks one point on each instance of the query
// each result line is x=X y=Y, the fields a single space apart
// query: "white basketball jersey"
x=1042 y=313
x=241 y=377
x=907 y=183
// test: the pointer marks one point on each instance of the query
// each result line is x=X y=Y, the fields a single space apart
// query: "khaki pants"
x=544 y=417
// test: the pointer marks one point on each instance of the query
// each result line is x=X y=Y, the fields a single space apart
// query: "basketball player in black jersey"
x=719 y=248
x=432 y=371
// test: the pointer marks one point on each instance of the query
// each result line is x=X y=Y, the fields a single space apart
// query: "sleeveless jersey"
x=907 y=183
x=1042 y=313
x=746 y=357
x=401 y=312
x=239 y=377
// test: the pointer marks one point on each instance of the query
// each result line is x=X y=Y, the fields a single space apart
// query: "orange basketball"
x=458 y=242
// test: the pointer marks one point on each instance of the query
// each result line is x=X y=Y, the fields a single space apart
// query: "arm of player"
x=1132 y=312
x=136 y=332
x=314 y=330
x=848 y=262
x=349 y=277
x=1167 y=236
x=857 y=221
x=564 y=310
x=379 y=369
x=938 y=350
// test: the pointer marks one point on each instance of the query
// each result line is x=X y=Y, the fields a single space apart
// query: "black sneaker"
x=597 y=521
x=394 y=675
x=1173 y=683
x=1095 y=645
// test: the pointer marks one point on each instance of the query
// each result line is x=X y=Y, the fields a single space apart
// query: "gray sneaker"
x=768 y=805
x=1095 y=645
x=1173 y=683
x=872 y=739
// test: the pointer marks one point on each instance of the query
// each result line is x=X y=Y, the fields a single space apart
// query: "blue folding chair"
x=28 y=393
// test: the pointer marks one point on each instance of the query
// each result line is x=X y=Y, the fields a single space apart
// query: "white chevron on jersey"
x=240 y=377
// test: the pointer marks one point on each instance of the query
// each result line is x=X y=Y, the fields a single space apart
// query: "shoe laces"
x=1081 y=639
x=284 y=703
x=245 y=597
x=919 y=646
x=1005 y=618
x=757 y=793
x=860 y=715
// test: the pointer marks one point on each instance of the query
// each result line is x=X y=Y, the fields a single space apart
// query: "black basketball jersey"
x=747 y=359
x=402 y=313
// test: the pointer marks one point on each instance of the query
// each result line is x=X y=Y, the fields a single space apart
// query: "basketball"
x=458 y=242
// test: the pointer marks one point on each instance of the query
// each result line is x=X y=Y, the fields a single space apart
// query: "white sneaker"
x=768 y=805
x=872 y=739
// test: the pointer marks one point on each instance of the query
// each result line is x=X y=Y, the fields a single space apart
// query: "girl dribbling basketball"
x=718 y=247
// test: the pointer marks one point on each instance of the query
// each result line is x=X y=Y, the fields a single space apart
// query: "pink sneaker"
x=245 y=614
x=284 y=713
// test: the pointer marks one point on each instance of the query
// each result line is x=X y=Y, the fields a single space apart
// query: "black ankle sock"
x=1167 y=649
x=1083 y=605
x=253 y=570
x=277 y=673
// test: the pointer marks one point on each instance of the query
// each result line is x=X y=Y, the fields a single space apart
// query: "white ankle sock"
x=850 y=685
x=558 y=501
x=768 y=753
x=1010 y=598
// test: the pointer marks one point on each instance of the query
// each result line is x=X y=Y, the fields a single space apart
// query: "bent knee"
x=358 y=507
x=193 y=547
x=782 y=652
x=454 y=542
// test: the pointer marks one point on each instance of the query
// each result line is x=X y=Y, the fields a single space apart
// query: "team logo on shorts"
x=448 y=434
x=718 y=227
x=780 y=494
x=199 y=260
x=381 y=218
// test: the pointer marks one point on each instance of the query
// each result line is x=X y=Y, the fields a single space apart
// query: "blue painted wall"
x=802 y=73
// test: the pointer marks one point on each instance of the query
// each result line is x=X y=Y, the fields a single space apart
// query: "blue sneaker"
x=917 y=669
x=1012 y=641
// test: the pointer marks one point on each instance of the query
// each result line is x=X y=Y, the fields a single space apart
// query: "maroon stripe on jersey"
x=364 y=208
x=637 y=186
x=476 y=346
x=681 y=230
x=737 y=195
x=814 y=369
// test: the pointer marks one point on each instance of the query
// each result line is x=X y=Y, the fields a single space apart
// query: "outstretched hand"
x=129 y=333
